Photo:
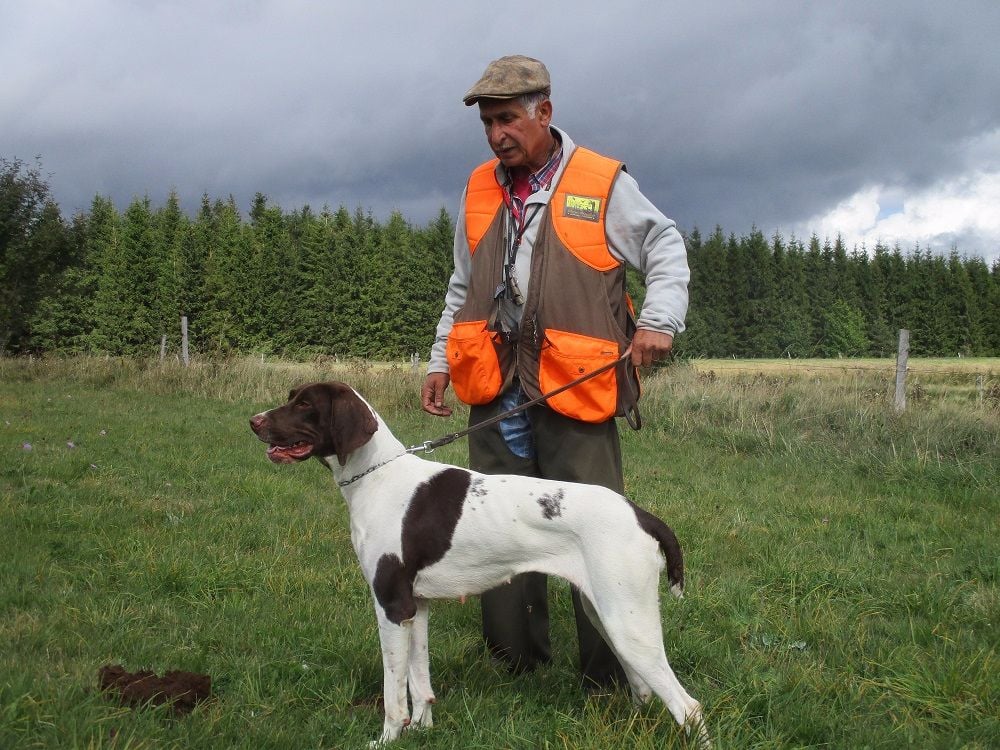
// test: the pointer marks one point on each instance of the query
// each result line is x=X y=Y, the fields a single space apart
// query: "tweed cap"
x=510 y=77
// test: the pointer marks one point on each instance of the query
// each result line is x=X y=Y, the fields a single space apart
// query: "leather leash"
x=632 y=417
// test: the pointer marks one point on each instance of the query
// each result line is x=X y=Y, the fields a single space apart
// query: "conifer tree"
x=274 y=286
x=871 y=282
x=980 y=320
x=895 y=273
x=794 y=330
x=225 y=284
x=955 y=306
x=32 y=249
x=104 y=255
x=367 y=320
x=919 y=303
x=394 y=319
x=843 y=331
x=992 y=312
x=317 y=316
x=61 y=321
x=761 y=324
x=138 y=283
x=432 y=263
x=714 y=275
x=188 y=263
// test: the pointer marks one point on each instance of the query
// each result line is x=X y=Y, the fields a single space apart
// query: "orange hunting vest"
x=576 y=316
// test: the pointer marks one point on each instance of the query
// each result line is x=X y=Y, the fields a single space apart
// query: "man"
x=537 y=298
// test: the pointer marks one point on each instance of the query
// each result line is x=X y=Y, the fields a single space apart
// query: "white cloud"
x=963 y=212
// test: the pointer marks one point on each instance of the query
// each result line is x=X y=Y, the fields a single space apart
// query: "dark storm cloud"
x=733 y=113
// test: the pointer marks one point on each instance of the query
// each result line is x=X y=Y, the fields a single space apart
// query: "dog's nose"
x=257 y=422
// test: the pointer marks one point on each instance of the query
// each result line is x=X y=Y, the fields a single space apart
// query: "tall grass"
x=843 y=565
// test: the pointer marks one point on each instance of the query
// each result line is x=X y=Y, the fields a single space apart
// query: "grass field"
x=843 y=564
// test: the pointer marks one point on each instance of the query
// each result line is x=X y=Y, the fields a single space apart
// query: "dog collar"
x=369 y=470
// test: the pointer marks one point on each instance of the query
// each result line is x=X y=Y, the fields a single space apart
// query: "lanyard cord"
x=512 y=242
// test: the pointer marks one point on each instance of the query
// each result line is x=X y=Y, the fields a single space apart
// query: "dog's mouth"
x=286 y=454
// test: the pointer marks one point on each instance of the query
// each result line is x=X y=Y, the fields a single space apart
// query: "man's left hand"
x=650 y=346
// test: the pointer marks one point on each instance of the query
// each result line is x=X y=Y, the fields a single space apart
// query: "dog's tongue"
x=286 y=454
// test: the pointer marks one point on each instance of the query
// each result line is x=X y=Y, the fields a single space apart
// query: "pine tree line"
x=303 y=283
x=754 y=298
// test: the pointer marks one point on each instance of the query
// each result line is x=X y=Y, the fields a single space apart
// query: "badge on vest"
x=582 y=207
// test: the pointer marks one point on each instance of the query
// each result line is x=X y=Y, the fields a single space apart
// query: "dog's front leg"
x=421 y=692
x=395 y=640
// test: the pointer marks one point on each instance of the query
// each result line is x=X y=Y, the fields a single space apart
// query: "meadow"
x=843 y=563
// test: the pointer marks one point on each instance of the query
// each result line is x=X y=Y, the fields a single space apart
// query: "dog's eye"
x=303 y=405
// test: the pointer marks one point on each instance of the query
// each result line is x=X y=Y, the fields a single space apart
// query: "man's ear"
x=543 y=112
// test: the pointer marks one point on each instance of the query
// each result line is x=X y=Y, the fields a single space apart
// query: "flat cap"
x=510 y=77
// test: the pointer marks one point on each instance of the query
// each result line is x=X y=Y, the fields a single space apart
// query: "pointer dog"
x=423 y=530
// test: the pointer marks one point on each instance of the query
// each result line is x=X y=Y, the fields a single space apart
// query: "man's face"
x=517 y=139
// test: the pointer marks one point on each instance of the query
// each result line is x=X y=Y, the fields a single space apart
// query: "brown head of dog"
x=319 y=419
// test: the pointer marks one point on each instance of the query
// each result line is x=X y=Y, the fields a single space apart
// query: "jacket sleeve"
x=639 y=234
x=458 y=286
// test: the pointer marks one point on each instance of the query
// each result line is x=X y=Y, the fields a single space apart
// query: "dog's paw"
x=694 y=726
x=421 y=718
x=390 y=733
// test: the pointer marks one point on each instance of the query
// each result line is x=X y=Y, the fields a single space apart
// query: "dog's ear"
x=352 y=423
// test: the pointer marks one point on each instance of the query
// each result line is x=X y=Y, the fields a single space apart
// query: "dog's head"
x=319 y=419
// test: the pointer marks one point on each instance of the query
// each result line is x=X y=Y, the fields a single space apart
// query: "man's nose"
x=495 y=134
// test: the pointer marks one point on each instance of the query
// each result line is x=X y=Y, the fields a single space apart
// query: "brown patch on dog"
x=393 y=587
x=182 y=690
x=431 y=517
x=552 y=504
x=667 y=540
x=428 y=527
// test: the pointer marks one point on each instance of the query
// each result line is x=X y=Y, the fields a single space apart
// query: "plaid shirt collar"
x=539 y=180
x=543 y=177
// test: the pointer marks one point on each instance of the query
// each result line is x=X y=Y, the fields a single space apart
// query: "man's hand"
x=432 y=394
x=650 y=346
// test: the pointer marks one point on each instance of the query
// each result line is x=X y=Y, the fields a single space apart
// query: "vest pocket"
x=473 y=363
x=568 y=356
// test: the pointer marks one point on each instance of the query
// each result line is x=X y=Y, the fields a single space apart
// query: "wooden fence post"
x=184 y=341
x=902 y=355
x=163 y=348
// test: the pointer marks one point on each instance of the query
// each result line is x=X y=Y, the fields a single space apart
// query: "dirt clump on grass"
x=182 y=690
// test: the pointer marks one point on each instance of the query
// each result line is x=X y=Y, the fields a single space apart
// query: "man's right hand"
x=432 y=394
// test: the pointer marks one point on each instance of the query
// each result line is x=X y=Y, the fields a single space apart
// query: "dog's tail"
x=671 y=548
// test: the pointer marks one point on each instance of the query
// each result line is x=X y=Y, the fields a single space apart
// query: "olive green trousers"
x=516 y=615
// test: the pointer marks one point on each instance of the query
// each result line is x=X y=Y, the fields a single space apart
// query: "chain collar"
x=369 y=470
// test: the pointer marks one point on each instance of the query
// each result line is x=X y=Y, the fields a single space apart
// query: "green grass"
x=843 y=566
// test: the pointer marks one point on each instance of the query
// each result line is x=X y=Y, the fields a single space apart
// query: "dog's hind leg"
x=638 y=640
x=640 y=690
x=395 y=641
x=629 y=611
x=421 y=692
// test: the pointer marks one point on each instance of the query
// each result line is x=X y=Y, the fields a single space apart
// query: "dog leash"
x=631 y=415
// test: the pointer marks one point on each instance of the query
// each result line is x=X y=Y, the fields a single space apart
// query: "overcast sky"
x=878 y=119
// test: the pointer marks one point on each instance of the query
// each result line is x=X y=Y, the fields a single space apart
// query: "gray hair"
x=531 y=101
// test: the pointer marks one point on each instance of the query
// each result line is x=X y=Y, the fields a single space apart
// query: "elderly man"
x=537 y=298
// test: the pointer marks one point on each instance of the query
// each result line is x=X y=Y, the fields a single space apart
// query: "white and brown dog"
x=423 y=530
